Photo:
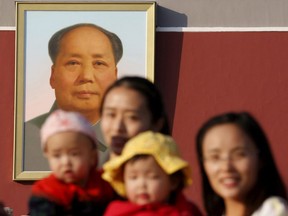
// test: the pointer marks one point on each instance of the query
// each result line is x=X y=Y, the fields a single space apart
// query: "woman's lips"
x=117 y=144
x=229 y=182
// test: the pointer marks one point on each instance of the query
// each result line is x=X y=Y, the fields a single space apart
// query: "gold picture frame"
x=133 y=22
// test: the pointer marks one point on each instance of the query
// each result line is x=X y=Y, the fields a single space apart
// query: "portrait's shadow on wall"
x=168 y=56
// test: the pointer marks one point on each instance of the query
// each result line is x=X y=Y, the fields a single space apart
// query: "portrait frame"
x=133 y=22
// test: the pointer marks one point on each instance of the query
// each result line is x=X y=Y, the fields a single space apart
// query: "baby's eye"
x=132 y=177
x=154 y=176
x=56 y=156
x=75 y=153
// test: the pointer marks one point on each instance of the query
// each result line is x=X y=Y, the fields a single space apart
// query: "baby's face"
x=71 y=156
x=146 y=182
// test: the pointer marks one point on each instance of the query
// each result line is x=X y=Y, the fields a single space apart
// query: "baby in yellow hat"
x=151 y=175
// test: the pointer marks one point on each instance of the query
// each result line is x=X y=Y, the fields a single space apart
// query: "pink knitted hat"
x=61 y=121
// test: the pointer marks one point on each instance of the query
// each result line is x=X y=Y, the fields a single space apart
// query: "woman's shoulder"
x=273 y=206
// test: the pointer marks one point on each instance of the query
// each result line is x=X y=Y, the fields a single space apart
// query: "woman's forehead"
x=226 y=136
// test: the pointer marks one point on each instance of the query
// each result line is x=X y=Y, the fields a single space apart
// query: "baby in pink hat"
x=74 y=187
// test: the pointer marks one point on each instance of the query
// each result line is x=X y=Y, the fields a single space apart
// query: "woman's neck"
x=234 y=208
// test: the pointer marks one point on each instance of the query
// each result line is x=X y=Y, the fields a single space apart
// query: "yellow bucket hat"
x=162 y=147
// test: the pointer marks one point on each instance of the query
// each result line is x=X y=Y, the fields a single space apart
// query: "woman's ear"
x=158 y=125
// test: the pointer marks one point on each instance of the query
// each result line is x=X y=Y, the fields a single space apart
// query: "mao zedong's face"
x=83 y=69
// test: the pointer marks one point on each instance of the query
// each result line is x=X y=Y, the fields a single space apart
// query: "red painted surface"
x=199 y=74
x=13 y=194
x=203 y=74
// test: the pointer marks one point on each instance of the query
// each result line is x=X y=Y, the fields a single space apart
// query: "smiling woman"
x=238 y=170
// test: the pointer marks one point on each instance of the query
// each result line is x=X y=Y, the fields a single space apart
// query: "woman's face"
x=230 y=161
x=124 y=115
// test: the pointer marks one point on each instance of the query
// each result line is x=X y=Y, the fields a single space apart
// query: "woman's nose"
x=119 y=124
x=226 y=163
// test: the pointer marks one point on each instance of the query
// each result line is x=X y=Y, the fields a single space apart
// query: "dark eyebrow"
x=97 y=55
x=109 y=108
x=55 y=150
x=126 y=110
x=79 y=56
x=72 y=55
x=214 y=150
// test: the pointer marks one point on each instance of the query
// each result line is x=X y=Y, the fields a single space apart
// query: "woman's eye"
x=213 y=158
x=133 y=117
x=109 y=114
x=239 y=155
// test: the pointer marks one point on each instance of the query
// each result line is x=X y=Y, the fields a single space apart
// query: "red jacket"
x=182 y=207
x=50 y=194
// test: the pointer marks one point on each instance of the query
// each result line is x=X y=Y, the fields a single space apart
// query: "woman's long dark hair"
x=269 y=182
x=150 y=92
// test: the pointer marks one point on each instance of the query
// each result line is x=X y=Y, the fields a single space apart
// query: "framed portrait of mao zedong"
x=68 y=49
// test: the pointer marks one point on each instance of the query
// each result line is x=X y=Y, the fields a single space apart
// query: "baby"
x=151 y=175
x=74 y=187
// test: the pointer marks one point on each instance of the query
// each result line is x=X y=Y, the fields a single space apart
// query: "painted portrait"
x=41 y=29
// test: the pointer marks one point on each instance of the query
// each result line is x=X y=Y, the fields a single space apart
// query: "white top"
x=273 y=206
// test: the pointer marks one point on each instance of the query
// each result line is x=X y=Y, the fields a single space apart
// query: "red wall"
x=203 y=74
x=199 y=74
x=12 y=193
